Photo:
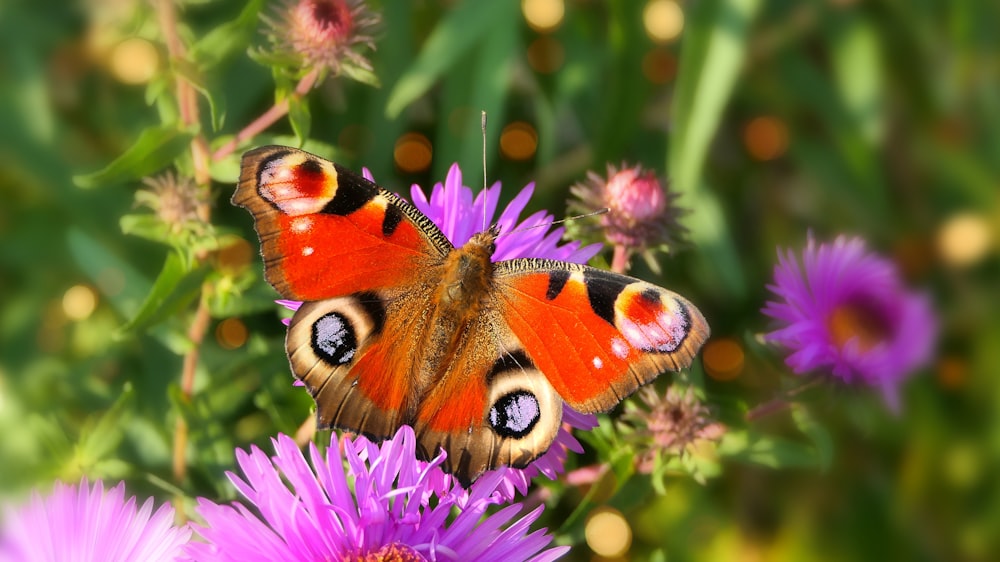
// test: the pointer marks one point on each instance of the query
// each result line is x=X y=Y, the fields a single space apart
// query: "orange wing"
x=327 y=232
x=596 y=335
x=364 y=260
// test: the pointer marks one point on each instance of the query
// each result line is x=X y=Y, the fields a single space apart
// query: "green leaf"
x=821 y=438
x=711 y=60
x=361 y=74
x=462 y=27
x=227 y=39
x=298 y=116
x=487 y=88
x=100 y=438
x=154 y=150
x=174 y=289
x=857 y=64
x=768 y=451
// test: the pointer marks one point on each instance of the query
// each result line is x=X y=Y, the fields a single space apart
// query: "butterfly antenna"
x=483 y=127
x=567 y=219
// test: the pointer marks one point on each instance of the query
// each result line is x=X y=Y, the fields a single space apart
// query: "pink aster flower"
x=846 y=311
x=385 y=506
x=325 y=35
x=86 y=524
x=459 y=214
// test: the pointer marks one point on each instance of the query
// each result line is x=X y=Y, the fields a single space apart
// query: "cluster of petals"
x=847 y=312
x=384 y=502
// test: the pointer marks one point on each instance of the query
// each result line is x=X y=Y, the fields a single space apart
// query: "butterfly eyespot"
x=333 y=339
x=515 y=414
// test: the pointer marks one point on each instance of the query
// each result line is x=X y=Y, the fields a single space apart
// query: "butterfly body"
x=400 y=327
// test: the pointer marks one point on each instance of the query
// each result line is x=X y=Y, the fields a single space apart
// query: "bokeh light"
x=766 y=138
x=964 y=239
x=663 y=20
x=412 y=153
x=546 y=55
x=134 y=61
x=79 y=302
x=518 y=141
x=659 y=66
x=607 y=533
x=543 y=15
x=231 y=333
x=723 y=358
x=235 y=256
x=355 y=138
x=952 y=371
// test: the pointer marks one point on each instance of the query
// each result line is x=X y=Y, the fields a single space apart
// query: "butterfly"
x=398 y=326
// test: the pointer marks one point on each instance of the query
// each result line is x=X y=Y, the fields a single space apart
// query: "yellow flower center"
x=394 y=552
x=852 y=320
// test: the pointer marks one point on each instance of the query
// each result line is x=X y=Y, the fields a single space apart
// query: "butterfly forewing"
x=596 y=335
x=326 y=231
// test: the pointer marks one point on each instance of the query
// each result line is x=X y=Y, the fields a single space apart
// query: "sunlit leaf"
x=465 y=25
x=155 y=149
x=711 y=59
x=175 y=288
x=227 y=39
x=765 y=450
x=858 y=68
x=298 y=116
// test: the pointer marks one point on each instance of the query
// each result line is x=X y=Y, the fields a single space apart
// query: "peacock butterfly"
x=400 y=327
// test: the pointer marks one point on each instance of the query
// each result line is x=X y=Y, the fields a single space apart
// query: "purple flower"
x=460 y=215
x=452 y=208
x=83 y=524
x=385 y=506
x=847 y=311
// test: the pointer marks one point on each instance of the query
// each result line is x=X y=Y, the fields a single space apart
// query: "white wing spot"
x=597 y=362
x=619 y=348
x=302 y=224
x=307 y=251
x=281 y=174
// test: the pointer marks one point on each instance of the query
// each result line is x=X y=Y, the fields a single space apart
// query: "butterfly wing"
x=367 y=344
x=355 y=355
x=596 y=335
x=364 y=260
x=553 y=332
x=491 y=407
x=326 y=231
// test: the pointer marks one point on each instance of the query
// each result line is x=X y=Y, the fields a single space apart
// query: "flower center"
x=333 y=16
x=853 y=320
x=394 y=552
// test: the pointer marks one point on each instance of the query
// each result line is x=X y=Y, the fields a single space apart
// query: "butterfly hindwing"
x=326 y=231
x=355 y=357
x=596 y=335
x=492 y=407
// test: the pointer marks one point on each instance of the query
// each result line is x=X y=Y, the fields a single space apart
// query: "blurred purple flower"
x=847 y=310
x=385 y=506
x=83 y=524
x=460 y=215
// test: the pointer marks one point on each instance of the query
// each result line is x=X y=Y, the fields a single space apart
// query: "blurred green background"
x=773 y=119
